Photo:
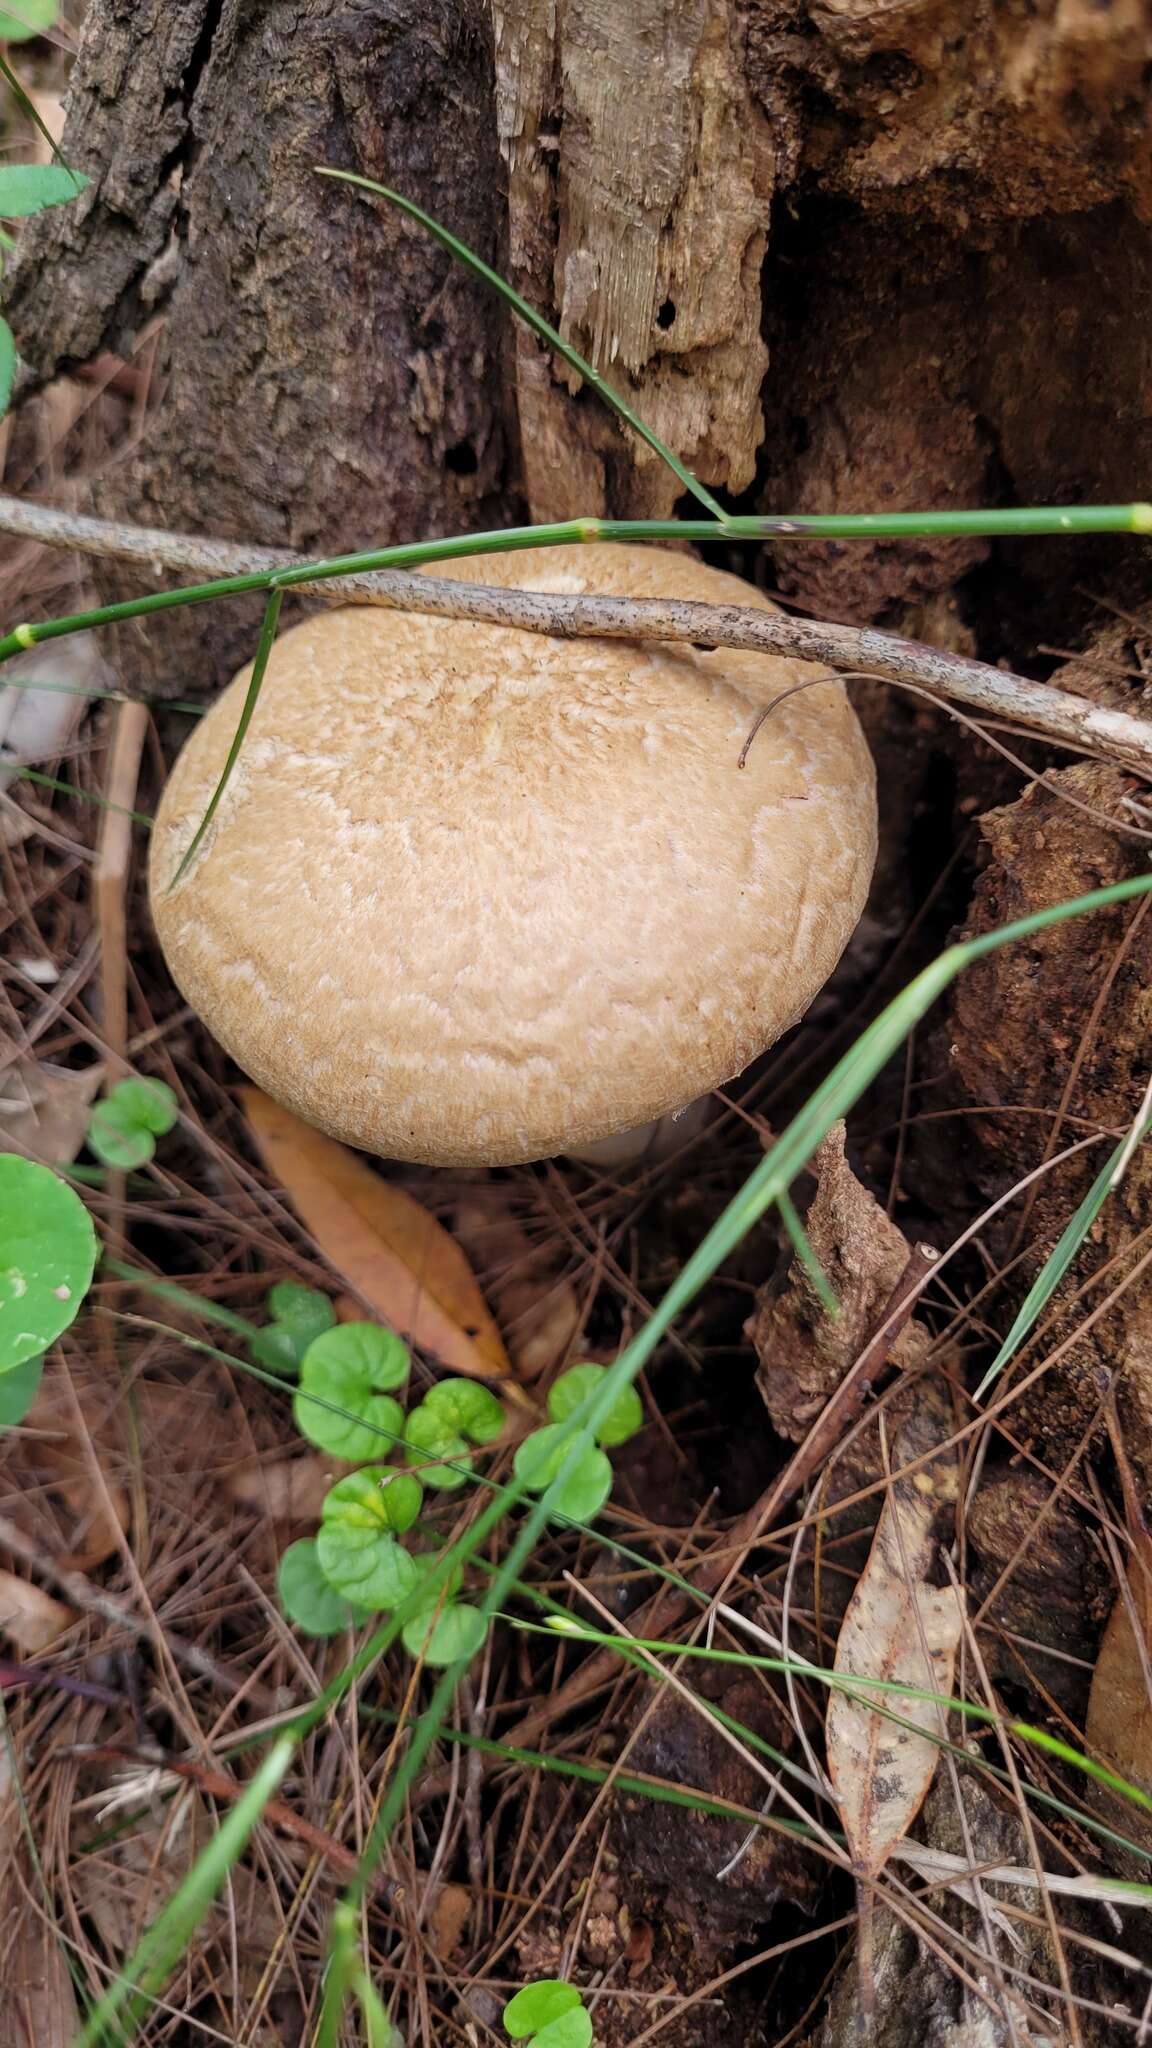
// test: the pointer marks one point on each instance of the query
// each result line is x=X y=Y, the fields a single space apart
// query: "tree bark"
x=329 y=378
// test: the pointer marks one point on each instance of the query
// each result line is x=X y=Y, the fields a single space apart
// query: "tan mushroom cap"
x=475 y=896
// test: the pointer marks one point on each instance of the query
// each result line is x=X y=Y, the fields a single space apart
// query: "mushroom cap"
x=474 y=895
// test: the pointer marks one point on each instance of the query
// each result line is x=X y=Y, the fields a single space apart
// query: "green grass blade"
x=28 y=109
x=1054 y=1268
x=252 y=698
x=163 y=1943
x=511 y=297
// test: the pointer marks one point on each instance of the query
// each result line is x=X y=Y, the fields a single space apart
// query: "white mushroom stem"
x=1072 y=721
x=647 y=1144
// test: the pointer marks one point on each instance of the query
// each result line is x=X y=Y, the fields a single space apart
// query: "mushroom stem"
x=646 y=1144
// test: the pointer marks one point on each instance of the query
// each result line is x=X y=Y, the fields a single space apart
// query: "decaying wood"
x=640 y=179
x=1078 y=722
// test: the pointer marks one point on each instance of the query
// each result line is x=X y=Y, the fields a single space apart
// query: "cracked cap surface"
x=474 y=895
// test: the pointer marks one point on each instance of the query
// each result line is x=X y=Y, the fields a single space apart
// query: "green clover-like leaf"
x=18 y=1390
x=571 y=2030
x=356 y=1544
x=428 y=1438
x=442 y=1637
x=306 y=1596
x=124 y=1127
x=467 y=1408
x=346 y=1377
x=47 y=1257
x=573 y=1388
x=538 y=2005
x=299 y=1316
x=539 y=1458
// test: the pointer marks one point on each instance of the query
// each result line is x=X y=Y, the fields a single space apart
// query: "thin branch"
x=1069 y=720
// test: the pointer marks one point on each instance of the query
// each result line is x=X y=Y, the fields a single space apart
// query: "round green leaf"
x=356 y=1543
x=306 y=1596
x=377 y=1497
x=275 y=1347
x=572 y=2030
x=467 y=1408
x=47 y=1257
x=351 y=1370
x=118 y=1144
x=18 y=1390
x=123 y=1128
x=34 y=17
x=575 y=1386
x=150 y=1105
x=303 y=1310
x=299 y=1316
x=539 y=1458
x=457 y=1631
x=371 y=1569
x=429 y=1437
x=536 y=2005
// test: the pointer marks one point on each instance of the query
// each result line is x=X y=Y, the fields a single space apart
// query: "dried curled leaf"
x=803 y=1352
x=897 y=1628
x=382 y=1243
x=1119 y=1723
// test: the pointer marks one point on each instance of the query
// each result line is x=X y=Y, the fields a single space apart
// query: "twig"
x=79 y=1592
x=1070 y=720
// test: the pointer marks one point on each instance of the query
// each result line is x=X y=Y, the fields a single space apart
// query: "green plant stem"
x=1134 y=518
x=263 y=650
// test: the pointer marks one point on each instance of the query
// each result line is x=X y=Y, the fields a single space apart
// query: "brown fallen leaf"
x=59 y=1444
x=392 y=1252
x=44 y=1109
x=1118 y=1727
x=29 y=1617
x=284 y=1489
x=449 y=1916
x=37 y=1997
x=897 y=1627
x=803 y=1352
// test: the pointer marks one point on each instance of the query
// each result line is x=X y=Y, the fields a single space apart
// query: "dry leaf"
x=60 y=1445
x=37 y=1998
x=804 y=1353
x=284 y=1489
x=534 y=1301
x=382 y=1243
x=44 y=1110
x=1119 y=1723
x=448 y=1918
x=30 y=1618
x=897 y=1627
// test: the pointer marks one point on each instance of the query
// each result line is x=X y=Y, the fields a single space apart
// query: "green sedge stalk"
x=263 y=650
x=536 y=321
x=1060 y=519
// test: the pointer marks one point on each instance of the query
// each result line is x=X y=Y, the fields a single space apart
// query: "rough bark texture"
x=330 y=379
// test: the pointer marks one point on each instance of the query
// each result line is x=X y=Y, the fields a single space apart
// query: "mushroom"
x=474 y=895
